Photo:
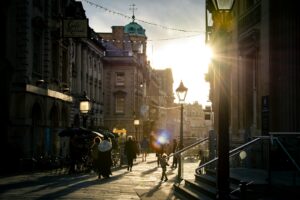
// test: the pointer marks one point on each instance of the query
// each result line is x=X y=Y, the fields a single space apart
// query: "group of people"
x=102 y=158
x=101 y=155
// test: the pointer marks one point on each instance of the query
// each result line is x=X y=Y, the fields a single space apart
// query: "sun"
x=189 y=60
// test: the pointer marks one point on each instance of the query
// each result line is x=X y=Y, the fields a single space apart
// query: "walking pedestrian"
x=137 y=146
x=164 y=163
x=76 y=153
x=95 y=154
x=144 y=148
x=160 y=150
x=130 y=151
x=202 y=160
x=175 y=156
x=105 y=159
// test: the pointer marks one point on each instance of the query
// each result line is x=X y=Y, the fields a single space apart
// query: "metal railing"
x=269 y=148
x=179 y=153
x=285 y=149
x=268 y=160
x=188 y=147
x=231 y=153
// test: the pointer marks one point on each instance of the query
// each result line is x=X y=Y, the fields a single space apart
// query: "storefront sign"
x=74 y=28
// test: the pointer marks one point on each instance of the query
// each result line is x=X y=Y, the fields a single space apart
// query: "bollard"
x=243 y=189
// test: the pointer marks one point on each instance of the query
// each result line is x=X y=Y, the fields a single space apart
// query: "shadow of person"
x=148 y=193
x=149 y=171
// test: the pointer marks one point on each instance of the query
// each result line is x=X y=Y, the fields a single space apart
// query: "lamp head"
x=84 y=105
x=223 y=5
x=136 y=122
x=181 y=92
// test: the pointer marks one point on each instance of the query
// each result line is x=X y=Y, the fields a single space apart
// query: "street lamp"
x=181 y=92
x=136 y=123
x=223 y=26
x=84 y=107
x=223 y=5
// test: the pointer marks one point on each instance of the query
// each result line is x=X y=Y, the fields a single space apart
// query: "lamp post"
x=181 y=92
x=222 y=23
x=136 y=123
x=84 y=107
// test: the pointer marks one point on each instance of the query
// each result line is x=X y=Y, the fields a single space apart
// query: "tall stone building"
x=45 y=73
x=197 y=124
x=126 y=72
x=166 y=99
x=262 y=56
x=133 y=90
x=47 y=70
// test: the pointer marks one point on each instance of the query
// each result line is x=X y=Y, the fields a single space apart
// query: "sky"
x=175 y=31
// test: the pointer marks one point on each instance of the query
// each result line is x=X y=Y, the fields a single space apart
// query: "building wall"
x=113 y=119
x=122 y=58
x=146 y=90
x=267 y=66
x=284 y=67
x=46 y=78
x=264 y=61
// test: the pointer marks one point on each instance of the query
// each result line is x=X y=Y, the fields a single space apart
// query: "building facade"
x=46 y=73
x=125 y=73
x=262 y=56
x=48 y=69
x=133 y=90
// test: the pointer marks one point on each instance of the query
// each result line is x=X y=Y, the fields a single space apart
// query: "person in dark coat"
x=175 y=157
x=105 y=159
x=164 y=163
x=76 y=152
x=144 y=148
x=95 y=154
x=130 y=151
x=160 y=149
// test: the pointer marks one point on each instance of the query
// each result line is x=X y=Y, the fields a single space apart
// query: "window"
x=55 y=60
x=64 y=66
x=120 y=79
x=37 y=53
x=120 y=104
x=207 y=116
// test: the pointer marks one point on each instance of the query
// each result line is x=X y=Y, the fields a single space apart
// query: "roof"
x=134 y=28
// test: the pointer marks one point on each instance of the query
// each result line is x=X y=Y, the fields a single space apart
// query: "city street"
x=142 y=183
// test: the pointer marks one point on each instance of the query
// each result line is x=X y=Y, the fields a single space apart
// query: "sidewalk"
x=142 y=183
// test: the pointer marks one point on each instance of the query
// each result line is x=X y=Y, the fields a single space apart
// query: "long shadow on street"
x=57 y=181
x=69 y=183
x=80 y=185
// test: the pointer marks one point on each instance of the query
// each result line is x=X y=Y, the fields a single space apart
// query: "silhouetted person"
x=164 y=163
x=175 y=156
x=76 y=152
x=130 y=151
x=144 y=148
x=105 y=159
x=95 y=154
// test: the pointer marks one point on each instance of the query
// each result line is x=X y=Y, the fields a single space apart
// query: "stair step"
x=208 y=179
x=212 y=180
x=202 y=187
x=211 y=172
x=190 y=193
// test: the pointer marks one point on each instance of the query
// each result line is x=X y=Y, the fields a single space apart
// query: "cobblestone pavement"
x=142 y=183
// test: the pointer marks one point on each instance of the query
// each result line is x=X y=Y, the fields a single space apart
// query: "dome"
x=134 y=28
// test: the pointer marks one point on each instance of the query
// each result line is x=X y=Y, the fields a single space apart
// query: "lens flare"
x=159 y=138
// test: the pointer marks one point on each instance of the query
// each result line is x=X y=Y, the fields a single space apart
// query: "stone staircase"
x=203 y=187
